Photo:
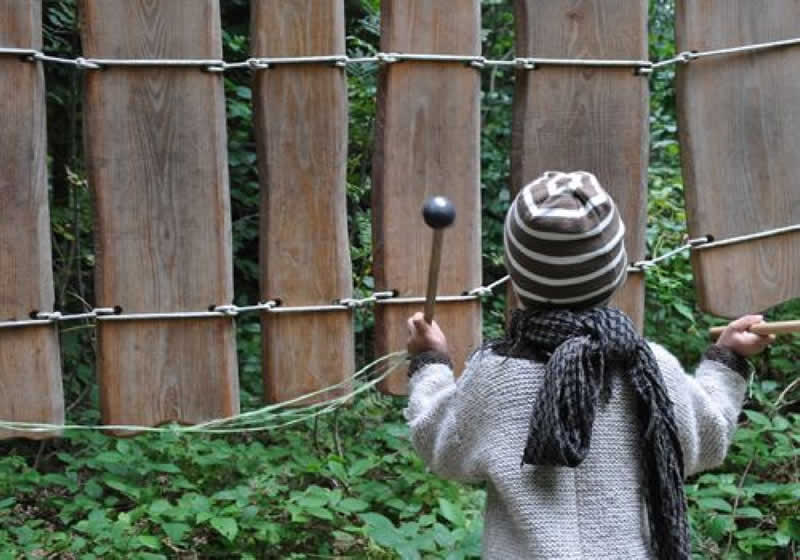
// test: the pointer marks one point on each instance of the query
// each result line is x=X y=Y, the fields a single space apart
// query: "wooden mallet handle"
x=780 y=327
x=438 y=213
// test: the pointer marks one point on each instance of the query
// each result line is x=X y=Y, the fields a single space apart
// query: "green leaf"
x=225 y=526
x=451 y=512
x=382 y=530
x=93 y=489
x=120 y=486
x=750 y=512
x=791 y=528
x=175 y=531
x=396 y=503
x=714 y=504
x=338 y=470
x=361 y=467
x=203 y=516
x=377 y=520
x=407 y=551
x=766 y=488
x=443 y=536
x=684 y=310
x=166 y=467
x=758 y=418
x=312 y=501
x=149 y=541
x=352 y=505
x=320 y=512
x=159 y=506
x=109 y=457
x=781 y=539
x=780 y=423
x=243 y=92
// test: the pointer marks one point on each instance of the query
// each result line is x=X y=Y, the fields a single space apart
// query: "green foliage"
x=349 y=484
x=269 y=496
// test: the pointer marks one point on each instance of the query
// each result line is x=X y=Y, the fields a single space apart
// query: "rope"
x=274 y=306
x=643 y=67
x=688 y=56
x=712 y=243
x=642 y=266
x=260 y=420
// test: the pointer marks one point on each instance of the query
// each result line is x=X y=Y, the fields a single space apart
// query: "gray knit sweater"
x=474 y=430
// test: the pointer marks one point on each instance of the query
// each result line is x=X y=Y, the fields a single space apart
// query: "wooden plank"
x=301 y=130
x=427 y=144
x=739 y=125
x=157 y=162
x=591 y=119
x=30 y=363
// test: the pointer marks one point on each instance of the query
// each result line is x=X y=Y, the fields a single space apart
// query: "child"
x=605 y=424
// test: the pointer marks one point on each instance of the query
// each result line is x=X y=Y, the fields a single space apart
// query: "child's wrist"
x=427 y=358
x=728 y=357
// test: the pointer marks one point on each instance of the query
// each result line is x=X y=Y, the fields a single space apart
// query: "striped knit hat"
x=564 y=242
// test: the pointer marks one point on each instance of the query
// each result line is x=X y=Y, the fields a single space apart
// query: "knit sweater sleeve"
x=706 y=406
x=438 y=407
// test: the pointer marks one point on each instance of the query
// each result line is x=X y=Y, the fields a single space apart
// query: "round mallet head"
x=438 y=212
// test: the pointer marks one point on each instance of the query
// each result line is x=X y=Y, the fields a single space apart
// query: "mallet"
x=779 y=327
x=438 y=213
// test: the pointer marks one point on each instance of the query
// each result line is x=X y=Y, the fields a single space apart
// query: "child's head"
x=564 y=242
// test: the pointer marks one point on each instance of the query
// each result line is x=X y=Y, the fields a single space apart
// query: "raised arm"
x=438 y=406
x=708 y=405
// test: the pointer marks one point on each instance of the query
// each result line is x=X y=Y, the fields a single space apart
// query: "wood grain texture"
x=157 y=163
x=30 y=363
x=596 y=120
x=427 y=144
x=301 y=129
x=739 y=125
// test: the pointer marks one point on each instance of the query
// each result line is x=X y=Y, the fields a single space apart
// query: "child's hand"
x=736 y=337
x=423 y=337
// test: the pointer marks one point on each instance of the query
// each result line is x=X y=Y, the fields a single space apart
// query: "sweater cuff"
x=427 y=358
x=728 y=358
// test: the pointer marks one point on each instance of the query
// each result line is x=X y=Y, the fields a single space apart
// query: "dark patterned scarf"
x=582 y=351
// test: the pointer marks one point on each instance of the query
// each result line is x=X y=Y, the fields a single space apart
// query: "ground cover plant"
x=349 y=485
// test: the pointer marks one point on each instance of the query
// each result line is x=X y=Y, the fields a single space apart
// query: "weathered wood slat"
x=30 y=364
x=427 y=143
x=301 y=130
x=591 y=119
x=157 y=162
x=739 y=126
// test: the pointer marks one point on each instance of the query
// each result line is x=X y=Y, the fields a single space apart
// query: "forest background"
x=349 y=485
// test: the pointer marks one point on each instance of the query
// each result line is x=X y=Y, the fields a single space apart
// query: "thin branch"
x=79 y=398
x=736 y=505
x=786 y=392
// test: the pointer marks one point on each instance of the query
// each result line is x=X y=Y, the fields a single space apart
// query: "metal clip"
x=525 y=63
x=478 y=63
x=257 y=64
x=229 y=310
x=387 y=58
x=85 y=64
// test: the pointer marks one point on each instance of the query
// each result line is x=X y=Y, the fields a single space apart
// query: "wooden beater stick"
x=438 y=213
x=780 y=327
